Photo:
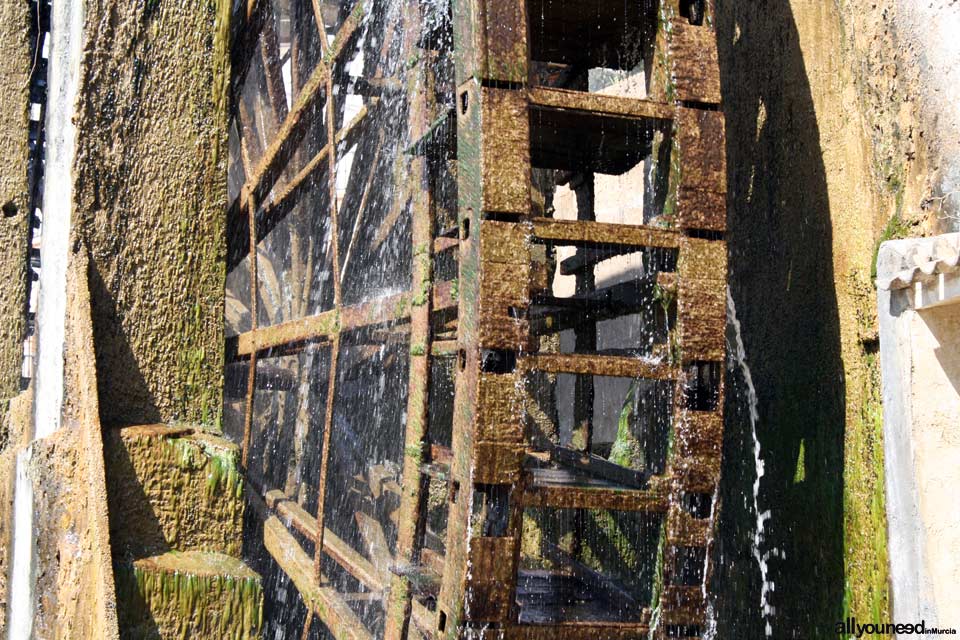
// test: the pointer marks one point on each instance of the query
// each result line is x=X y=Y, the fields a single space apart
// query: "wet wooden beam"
x=339 y=551
x=330 y=323
x=322 y=325
x=412 y=512
x=580 y=233
x=695 y=63
x=598 y=365
x=290 y=193
x=599 y=467
x=559 y=489
x=295 y=126
x=601 y=104
x=376 y=542
x=325 y=602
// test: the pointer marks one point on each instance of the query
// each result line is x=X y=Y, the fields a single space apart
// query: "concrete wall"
x=150 y=199
x=920 y=351
x=15 y=65
x=838 y=121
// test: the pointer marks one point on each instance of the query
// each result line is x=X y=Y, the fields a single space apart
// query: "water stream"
x=738 y=356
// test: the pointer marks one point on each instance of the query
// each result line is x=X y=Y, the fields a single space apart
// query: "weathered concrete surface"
x=149 y=200
x=928 y=47
x=824 y=148
x=75 y=586
x=191 y=595
x=15 y=66
x=907 y=83
x=16 y=422
x=171 y=489
x=920 y=349
x=176 y=531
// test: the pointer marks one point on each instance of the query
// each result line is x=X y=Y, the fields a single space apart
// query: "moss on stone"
x=178 y=492
x=189 y=595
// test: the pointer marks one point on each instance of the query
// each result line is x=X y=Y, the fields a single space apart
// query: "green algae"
x=174 y=492
x=220 y=464
x=189 y=595
x=627 y=450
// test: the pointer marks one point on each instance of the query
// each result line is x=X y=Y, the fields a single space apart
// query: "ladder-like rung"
x=563 y=489
x=601 y=104
x=579 y=233
x=599 y=365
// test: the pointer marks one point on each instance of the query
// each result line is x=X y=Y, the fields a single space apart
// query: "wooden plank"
x=505 y=150
x=329 y=323
x=591 y=234
x=495 y=40
x=687 y=531
x=698 y=433
x=497 y=462
x=682 y=605
x=334 y=546
x=567 y=491
x=702 y=190
x=701 y=259
x=376 y=542
x=505 y=243
x=701 y=318
x=598 y=365
x=322 y=325
x=599 y=467
x=277 y=155
x=696 y=474
x=325 y=602
x=489 y=595
x=601 y=104
x=504 y=53
x=499 y=408
x=696 y=69
x=288 y=194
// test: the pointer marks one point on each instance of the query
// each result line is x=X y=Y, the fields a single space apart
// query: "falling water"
x=710 y=628
x=738 y=355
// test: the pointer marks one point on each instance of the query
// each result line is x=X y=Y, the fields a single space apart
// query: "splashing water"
x=738 y=358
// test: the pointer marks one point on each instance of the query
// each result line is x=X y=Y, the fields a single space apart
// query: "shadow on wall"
x=782 y=282
x=125 y=396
